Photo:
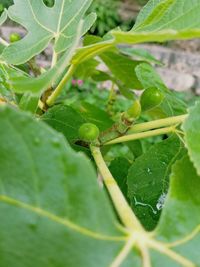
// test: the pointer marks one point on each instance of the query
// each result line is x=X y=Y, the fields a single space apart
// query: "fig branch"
x=149 y=129
x=58 y=90
x=136 y=136
x=72 y=69
x=124 y=210
x=141 y=127
x=54 y=59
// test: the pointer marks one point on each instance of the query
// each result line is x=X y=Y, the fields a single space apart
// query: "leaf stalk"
x=58 y=90
x=141 y=127
x=124 y=210
x=136 y=136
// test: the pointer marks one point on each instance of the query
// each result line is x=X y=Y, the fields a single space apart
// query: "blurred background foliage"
x=107 y=16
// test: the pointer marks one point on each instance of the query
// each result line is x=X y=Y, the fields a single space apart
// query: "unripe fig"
x=88 y=132
x=151 y=98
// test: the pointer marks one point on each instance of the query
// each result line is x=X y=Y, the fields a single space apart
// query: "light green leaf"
x=86 y=69
x=148 y=76
x=91 y=39
x=148 y=180
x=89 y=21
x=20 y=83
x=59 y=23
x=92 y=50
x=191 y=128
x=169 y=14
x=139 y=53
x=145 y=11
x=101 y=76
x=179 y=225
x=9 y=73
x=3 y=17
x=52 y=210
x=29 y=102
x=162 y=20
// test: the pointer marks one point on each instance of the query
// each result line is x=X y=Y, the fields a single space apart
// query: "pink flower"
x=80 y=82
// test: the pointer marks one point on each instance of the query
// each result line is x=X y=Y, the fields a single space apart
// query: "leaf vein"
x=62 y=221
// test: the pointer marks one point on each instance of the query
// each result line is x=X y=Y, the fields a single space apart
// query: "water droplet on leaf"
x=161 y=202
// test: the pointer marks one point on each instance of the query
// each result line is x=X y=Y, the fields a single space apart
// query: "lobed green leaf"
x=180 y=221
x=48 y=214
x=44 y=24
x=162 y=21
x=3 y=17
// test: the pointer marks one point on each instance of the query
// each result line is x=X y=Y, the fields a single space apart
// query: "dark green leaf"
x=148 y=180
x=65 y=120
x=119 y=168
x=123 y=69
x=136 y=147
x=91 y=113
